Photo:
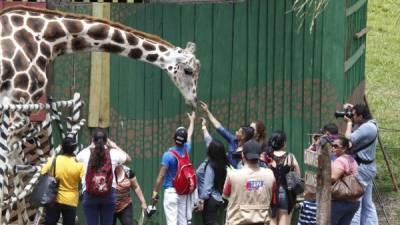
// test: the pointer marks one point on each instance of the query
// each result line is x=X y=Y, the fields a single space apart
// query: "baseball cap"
x=180 y=136
x=251 y=150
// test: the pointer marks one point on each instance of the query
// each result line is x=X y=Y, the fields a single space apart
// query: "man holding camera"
x=362 y=131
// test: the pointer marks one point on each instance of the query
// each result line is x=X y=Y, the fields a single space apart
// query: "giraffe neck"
x=59 y=33
x=30 y=38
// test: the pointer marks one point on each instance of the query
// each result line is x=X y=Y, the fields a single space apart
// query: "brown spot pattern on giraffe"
x=111 y=48
x=8 y=70
x=37 y=76
x=5 y=25
x=41 y=62
x=135 y=53
x=34 y=14
x=117 y=37
x=19 y=12
x=5 y=86
x=73 y=26
x=132 y=40
x=149 y=47
x=49 y=16
x=36 y=96
x=79 y=43
x=162 y=48
x=17 y=95
x=27 y=43
x=8 y=48
x=36 y=24
x=20 y=62
x=45 y=49
x=53 y=32
x=98 y=32
x=152 y=57
x=17 y=20
x=59 y=48
x=21 y=81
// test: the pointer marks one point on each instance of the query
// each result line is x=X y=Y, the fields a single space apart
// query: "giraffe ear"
x=190 y=47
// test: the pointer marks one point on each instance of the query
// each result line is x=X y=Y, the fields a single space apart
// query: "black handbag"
x=293 y=181
x=45 y=192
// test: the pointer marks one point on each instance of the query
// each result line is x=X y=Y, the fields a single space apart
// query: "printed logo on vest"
x=253 y=185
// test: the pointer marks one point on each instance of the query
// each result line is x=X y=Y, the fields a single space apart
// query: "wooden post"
x=324 y=183
x=99 y=98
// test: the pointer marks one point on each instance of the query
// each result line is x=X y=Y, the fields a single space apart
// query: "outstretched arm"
x=211 y=117
x=206 y=134
x=138 y=191
x=191 y=116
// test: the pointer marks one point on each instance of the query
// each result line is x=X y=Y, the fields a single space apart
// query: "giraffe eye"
x=188 y=72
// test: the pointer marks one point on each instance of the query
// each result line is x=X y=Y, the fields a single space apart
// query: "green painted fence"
x=257 y=63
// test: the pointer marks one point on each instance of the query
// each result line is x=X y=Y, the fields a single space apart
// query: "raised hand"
x=204 y=106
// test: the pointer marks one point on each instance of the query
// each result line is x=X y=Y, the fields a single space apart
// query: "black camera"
x=348 y=112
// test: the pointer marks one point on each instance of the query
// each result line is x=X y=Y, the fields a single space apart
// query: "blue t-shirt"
x=169 y=160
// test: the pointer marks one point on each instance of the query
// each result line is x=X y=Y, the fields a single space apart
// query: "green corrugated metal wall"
x=256 y=64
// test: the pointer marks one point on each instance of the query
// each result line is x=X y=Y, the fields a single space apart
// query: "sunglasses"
x=336 y=146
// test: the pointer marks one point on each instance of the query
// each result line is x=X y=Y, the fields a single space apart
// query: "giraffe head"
x=184 y=72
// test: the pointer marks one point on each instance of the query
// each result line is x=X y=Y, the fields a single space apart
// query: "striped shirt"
x=308 y=213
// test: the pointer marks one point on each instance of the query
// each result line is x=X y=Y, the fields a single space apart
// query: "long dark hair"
x=260 y=130
x=277 y=140
x=99 y=141
x=248 y=134
x=218 y=162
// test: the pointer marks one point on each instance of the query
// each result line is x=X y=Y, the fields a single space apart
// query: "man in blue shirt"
x=177 y=208
x=363 y=137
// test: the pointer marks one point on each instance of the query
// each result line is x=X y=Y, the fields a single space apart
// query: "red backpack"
x=99 y=181
x=185 y=179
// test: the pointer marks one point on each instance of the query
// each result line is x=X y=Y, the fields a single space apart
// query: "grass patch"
x=383 y=91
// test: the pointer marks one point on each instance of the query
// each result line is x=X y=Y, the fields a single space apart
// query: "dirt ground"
x=391 y=206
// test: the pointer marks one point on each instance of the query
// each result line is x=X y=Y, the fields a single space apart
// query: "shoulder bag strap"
x=53 y=167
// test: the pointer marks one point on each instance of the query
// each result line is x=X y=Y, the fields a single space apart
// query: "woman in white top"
x=100 y=159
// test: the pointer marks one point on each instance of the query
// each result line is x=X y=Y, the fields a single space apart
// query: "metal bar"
x=354 y=58
x=354 y=8
x=361 y=33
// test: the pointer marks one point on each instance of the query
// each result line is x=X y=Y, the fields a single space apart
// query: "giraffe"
x=31 y=38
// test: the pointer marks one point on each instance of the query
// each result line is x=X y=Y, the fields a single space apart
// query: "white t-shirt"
x=117 y=158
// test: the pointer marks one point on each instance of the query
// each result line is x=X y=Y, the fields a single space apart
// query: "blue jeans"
x=99 y=210
x=366 y=214
x=342 y=212
x=53 y=214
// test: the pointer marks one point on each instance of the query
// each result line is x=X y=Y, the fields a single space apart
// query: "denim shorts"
x=283 y=202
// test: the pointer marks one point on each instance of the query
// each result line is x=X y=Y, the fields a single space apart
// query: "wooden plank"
x=270 y=82
x=222 y=60
x=262 y=61
x=310 y=158
x=354 y=58
x=99 y=98
x=355 y=7
x=239 y=68
x=279 y=42
x=252 y=54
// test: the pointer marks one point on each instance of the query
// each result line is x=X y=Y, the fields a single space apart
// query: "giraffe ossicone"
x=31 y=38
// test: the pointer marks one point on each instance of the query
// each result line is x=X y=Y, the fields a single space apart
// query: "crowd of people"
x=251 y=176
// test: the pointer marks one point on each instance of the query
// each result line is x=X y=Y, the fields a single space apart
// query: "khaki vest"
x=250 y=198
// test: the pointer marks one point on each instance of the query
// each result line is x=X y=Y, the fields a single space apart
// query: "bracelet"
x=155 y=193
x=203 y=127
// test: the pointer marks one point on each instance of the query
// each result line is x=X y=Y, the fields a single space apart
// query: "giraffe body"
x=31 y=38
